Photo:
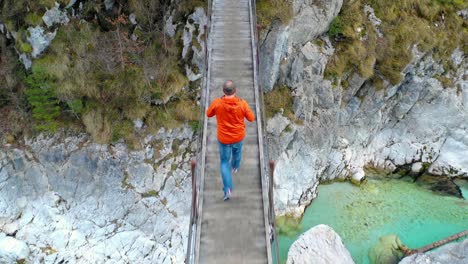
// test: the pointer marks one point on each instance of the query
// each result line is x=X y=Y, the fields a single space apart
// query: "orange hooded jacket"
x=230 y=113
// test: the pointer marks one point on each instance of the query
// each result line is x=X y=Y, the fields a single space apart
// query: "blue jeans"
x=229 y=153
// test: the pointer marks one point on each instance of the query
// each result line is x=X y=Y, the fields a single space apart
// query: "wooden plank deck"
x=234 y=231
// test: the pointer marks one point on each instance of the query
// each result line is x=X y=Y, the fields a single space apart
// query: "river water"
x=360 y=215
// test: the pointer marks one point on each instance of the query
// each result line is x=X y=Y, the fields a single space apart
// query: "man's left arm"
x=249 y=115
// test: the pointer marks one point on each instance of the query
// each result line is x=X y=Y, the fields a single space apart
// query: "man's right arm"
x=211 y=109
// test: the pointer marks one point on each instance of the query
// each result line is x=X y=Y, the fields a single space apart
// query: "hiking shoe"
x=227 y=195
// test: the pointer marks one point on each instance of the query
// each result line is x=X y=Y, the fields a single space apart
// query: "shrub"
x=336 y=27
x=41 y=96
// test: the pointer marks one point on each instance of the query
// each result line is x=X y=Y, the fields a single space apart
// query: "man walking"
x=230 y=112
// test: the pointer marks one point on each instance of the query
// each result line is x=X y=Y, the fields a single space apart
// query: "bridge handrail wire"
x=267 y=174
x=198 y=172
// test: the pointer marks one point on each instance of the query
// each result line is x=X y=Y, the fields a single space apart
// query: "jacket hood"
x=231 y=104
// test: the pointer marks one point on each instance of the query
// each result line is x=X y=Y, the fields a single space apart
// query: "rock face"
x=73 y=201
x=310 y=20
x=320 y=245
x=346 y=130
x=195 y=43
x=454 y=253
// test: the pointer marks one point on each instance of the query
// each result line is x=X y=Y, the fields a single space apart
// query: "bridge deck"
x=233 y=231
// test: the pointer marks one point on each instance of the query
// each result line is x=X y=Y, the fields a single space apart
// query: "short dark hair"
x=229 y=88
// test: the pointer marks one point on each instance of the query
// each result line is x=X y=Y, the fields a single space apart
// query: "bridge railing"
x=197 y=166
x=267 y=165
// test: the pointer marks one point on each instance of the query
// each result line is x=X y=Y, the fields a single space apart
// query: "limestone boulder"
x=319 y=245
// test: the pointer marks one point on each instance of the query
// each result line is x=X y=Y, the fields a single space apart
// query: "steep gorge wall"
x=417 y=123
x=65 y=198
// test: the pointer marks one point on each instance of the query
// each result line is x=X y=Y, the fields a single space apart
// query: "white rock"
x=55 y=16
x=277 y=124
x=132 y=18
x=109 y=4
x=170 y=27
x=71 y=3
x=13 y=247
x=10 y=228
x=138 y=123
x=463 y=13
x=358 y=175
x=39 y=40
x=416 y=167
x=319 y=245
x=25 y=60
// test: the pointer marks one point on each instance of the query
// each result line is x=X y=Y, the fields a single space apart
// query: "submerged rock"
x=387 y=250
x=319 y=245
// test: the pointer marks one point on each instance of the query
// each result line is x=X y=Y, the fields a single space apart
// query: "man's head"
x=229 y=88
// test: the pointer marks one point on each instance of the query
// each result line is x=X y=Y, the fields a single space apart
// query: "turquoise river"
x=360 y=215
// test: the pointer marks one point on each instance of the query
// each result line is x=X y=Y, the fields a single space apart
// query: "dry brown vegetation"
x=431 y=26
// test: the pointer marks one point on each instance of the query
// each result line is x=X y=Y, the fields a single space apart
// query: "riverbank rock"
x=453 y=253
x=69 y=199
x=319 y=245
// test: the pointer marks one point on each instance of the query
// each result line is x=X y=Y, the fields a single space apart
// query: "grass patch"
x=279 y=100
x=271 y=10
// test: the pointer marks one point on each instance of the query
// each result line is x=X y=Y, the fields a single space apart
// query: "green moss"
x=33 y=19
x=152 y=193
x=25 y=48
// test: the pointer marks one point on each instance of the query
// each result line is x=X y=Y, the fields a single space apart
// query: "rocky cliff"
x=63 y=197
x=69 y=200
x=418 y=123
